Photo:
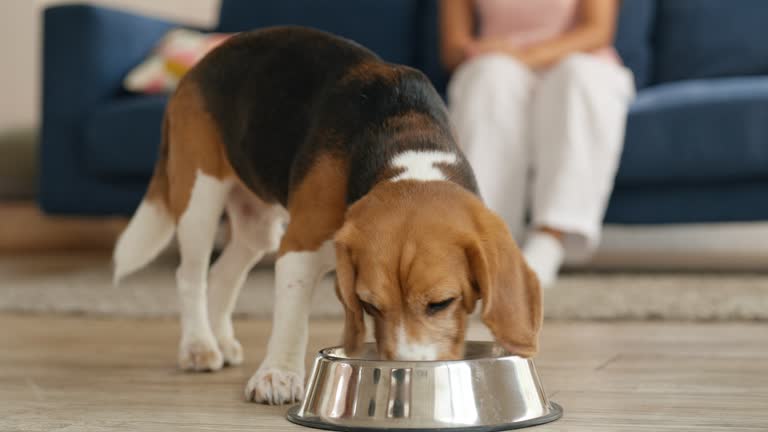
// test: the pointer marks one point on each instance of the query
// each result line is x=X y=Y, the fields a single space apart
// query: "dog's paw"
x=274 y=387
x=200 y=355
x=231 y=350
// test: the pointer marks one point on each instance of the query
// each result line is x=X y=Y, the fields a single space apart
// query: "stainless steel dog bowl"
x=489 y=390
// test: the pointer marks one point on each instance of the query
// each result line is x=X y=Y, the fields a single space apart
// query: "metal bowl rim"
x=324 y=354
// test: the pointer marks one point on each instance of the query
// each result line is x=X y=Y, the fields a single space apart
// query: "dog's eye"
x=436 y=307
x=370 y=309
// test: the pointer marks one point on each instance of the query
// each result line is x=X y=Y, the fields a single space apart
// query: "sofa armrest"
x=87 y=51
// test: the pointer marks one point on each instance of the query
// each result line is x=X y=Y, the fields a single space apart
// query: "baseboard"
x=715 y=246
x=15 y=188
x=25 y=229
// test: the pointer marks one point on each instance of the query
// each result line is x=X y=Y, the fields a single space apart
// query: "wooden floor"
x=78 y=374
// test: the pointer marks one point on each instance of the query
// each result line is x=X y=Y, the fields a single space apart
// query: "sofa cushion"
x=122 y=137
x=710 y=38
x=178 y=51
x=387 y=27
x=697 y=131
x=633 y=38
x=695 y=203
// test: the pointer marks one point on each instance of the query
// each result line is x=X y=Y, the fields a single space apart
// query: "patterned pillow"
x=176 y=53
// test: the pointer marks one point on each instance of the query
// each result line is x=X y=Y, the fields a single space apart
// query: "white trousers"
x=545 y=145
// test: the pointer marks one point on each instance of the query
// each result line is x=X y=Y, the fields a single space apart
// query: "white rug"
x=81 y=284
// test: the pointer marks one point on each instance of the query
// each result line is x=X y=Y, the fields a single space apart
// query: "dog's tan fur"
x=191 y=143
x=317 y=205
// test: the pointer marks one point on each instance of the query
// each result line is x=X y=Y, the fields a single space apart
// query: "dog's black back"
x=282 y=96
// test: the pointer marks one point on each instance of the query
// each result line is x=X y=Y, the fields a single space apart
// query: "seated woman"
x=539 y=100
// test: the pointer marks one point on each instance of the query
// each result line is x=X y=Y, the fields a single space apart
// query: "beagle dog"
x=296 y=128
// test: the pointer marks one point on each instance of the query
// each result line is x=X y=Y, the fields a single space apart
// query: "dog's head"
x=416 y=257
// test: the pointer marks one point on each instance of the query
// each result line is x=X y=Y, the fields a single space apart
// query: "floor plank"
x=86 y=374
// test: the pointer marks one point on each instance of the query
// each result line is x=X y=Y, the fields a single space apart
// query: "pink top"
x=527 y=22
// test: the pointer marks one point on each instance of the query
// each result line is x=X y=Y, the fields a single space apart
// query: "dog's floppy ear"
x=508 y=287
x=354 y=324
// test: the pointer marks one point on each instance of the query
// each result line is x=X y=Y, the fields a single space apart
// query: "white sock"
x=544 y=254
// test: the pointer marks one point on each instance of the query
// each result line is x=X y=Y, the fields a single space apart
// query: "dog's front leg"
x=280 y=378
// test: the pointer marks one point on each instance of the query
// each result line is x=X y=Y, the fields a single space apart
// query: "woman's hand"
x=536 y=57
x=490 y=46
x=487 y=46
x=597 y=21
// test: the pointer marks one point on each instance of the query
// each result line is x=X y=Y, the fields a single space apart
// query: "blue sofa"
x=697 y=136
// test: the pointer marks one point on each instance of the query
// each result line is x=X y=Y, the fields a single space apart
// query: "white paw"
x=274 y=387
x=200 y=355
x=231 y=350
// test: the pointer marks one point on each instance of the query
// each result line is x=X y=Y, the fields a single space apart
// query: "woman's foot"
x=544 y=253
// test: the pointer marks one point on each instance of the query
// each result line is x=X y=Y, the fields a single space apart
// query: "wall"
x=20 y=36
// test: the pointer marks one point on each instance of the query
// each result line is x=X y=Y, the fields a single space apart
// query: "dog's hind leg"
x=200 y=179
x=196 y=231
x=256 y=228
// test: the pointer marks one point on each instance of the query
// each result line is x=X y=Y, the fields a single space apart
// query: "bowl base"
x=317 y=423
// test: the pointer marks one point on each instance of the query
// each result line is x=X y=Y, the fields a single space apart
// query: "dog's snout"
x=407 y=349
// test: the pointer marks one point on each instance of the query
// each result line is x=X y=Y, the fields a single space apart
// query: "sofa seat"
x=724 y=139
x=736 y=201
x=123 y=136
